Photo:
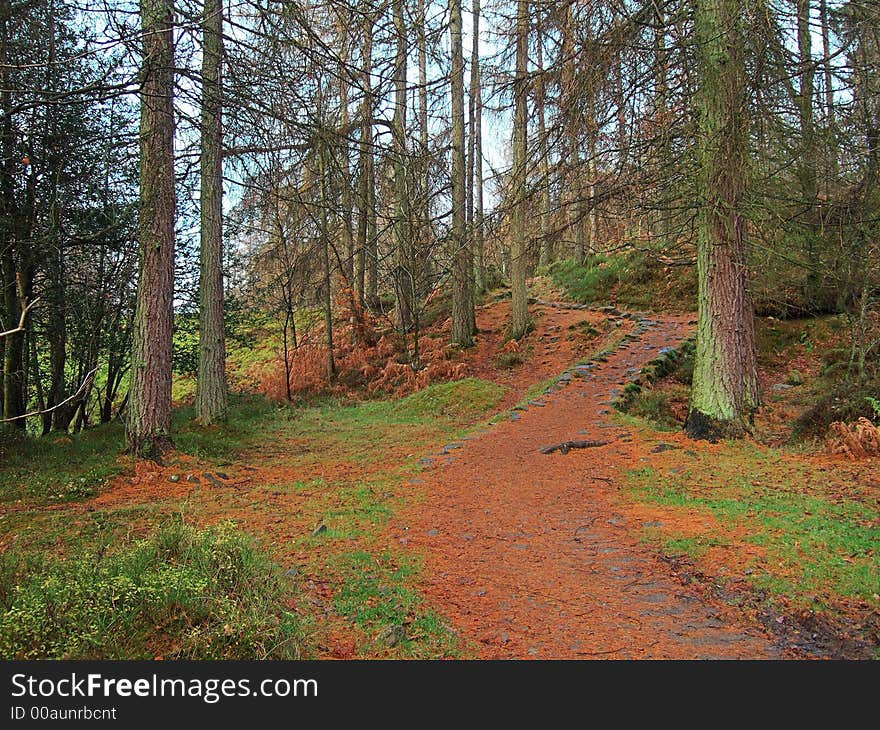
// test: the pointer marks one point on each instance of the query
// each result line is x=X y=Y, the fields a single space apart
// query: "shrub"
x=181 y=594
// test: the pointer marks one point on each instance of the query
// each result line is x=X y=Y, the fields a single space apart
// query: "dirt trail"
x=530 y=555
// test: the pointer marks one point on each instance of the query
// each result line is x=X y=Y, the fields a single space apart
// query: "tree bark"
x=368 y=254
x=830 y=115
x=148 y=430
x=520 y=322
x=725 y=383
x=404 y=273
x=211 y=394
x=477 y=230
x=462 y=303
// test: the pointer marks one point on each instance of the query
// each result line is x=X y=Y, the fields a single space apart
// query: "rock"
x=221 y=475
x=661 y=447
x=319 y=529
x=193 y=479
x=538 y=403
x=174 y=478
x=291 y=572
x=433 y=533
x=515 y=416
x=781 y=387
x=450 y=447
x=652 y=523
x=393 y=635
x=211 y=478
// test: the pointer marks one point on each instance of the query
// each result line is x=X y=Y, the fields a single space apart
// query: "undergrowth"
x=181 y=593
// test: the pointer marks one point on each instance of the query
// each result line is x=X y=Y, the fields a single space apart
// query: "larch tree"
x=725 y=382
x=211 y=395
x=520 y=322
x=148 y=424
x=462 y=303
x=404 y=273
x=478 y=217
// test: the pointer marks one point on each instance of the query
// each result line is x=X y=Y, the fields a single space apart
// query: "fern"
x=875 y=404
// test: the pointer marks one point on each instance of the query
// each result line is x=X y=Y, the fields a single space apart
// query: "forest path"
x=530 y=556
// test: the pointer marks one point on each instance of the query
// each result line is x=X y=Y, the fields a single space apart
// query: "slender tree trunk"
x=345 y=183
x=477 y=230
x=368 y=253
x=10 y=263
x=520 y=322
x=211 y=394
x=725 y=382
x=571 y=120
x=830 y=114
x=544 y=151
x=808 y=159
x=149 y=402
x=404 y=273
x=425 y=233
x=327 y=288
x=462 y=303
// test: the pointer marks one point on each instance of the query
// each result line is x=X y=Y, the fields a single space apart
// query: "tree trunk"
x=368 y=254
x=345 y=182
x=807 y=172
x=211 y=394
x=477 y=92
x=725 y=383
x=148 y=430
x=10 y=264
x=571 y=121
x=520 y=323
x=830 y=115
x=462 y=304
x=543 y=257
x=404 y=273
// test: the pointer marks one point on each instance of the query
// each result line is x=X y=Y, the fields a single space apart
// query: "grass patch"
x=60 y=468
x=378 y=597
x=179 y=594
x=653 y=406
x=819 y=540
x=634 y=280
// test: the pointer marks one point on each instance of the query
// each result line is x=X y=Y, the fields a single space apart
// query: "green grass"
x=633 y=280
x=377 y=595
x=78 y=583
x=59 y=468
x=180 y=594
x=817 y=541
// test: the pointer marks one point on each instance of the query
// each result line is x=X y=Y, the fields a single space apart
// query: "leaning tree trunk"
x=148 y=430
x=725 y=382
x=462 y=304
x=211 y=396
x=520 y=322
